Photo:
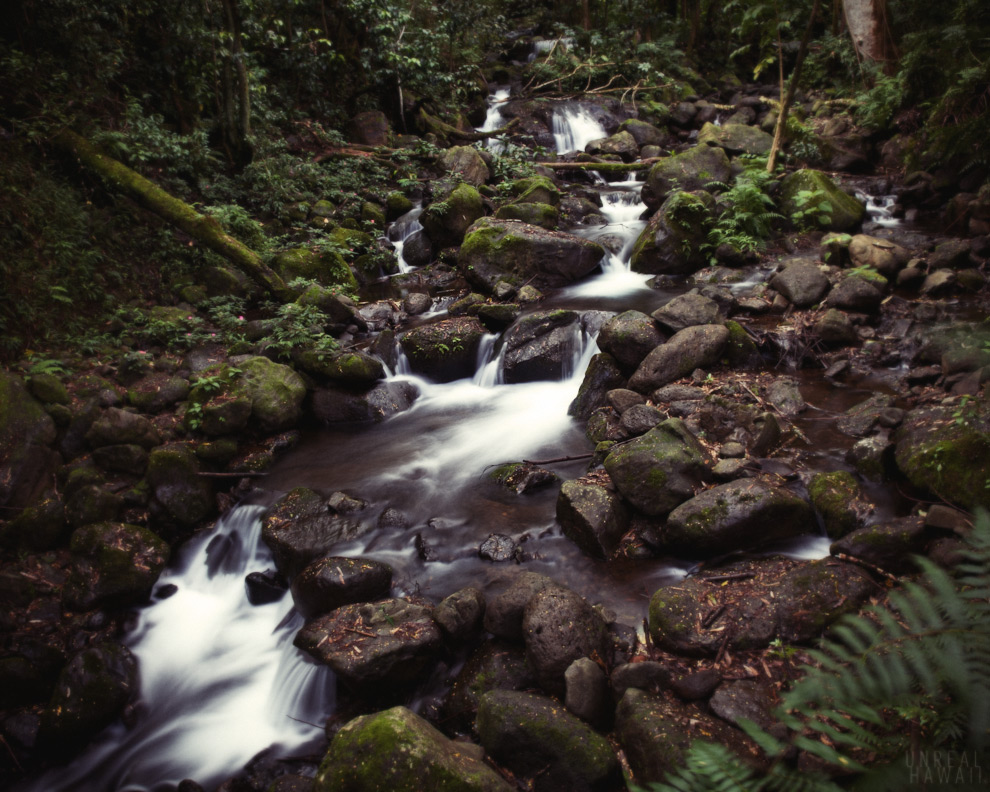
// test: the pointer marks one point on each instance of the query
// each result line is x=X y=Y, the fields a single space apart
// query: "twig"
x=713 y=615
x=557 y=459
x=867 y=565
x=234 y=474
x=734 y=576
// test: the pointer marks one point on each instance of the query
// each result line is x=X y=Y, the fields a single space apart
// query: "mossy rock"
x=275 y=390
x=602 y=375
x=347 y=368
x=838 y=498
x=815 y=595
x=327 y=268
x=445 y=350
x=645 y=134
x=741 y=350
x=48 y=389
x=41 y=526
x=397 y=204
x=592 y=517
x=672 y=241
x=182 y=497
x=373 y=214
x=629 y=337
x=120 y=427
x=92 y=504
x=399 y=751
x=330 y=582
x=26 y=431
x=535 y=189
x=447 y=219
x=736 y=138
x=466 y=163
x=520 y=477
x=694 y=169
x=846 y=213
x=495 y=665
x=538 y=214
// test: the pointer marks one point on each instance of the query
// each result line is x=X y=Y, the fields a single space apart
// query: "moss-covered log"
x=435 y=125
x=602 y=167
x=203 y=229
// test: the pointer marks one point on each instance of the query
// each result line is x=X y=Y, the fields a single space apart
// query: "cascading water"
x=574 y=127
x=879 y=209
x=494 y=119
x=400 y=231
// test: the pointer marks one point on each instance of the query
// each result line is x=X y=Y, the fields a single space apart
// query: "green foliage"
x=888 y=683
x=811 y=208
x=297 y=327
x=747 y=212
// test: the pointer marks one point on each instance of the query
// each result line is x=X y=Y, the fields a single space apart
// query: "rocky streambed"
x=567 y=500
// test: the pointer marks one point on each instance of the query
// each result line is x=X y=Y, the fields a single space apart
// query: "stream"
x=221 y=681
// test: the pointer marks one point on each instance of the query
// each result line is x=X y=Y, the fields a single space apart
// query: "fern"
x=922 y=664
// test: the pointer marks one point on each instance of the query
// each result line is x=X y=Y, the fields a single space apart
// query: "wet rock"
x=881 y=255
x=91 y=693
x=604 y=425
x=696 y=685
x=602 y=376
x=128 y=458
x=592 y=517
x=540 y=346
x=654 y=733
x=939 y=281
x=448 y=219
x=621 y=144
x=845 y=212
x=736 y=138
x=693 y=169
x=299 y=528
x=389 y=643
x=91 y=504
x=859 y=420
x=629 y=337
x=643 y=133
x=504 y=614
x=347 y=368
x=587 y=693
x=496 y=250
x=744 y=698
x=840 y=501
x=691 y=348
x=737 y=515
x=537 y=214
x=658 y=470
x=640 y=418
x=466 y=163
x=399 y=751
x=559 y=627
x=328 y=583
x=522 y=477
x=336 y=405
x=871 y=457
x=119 y=427
x=460 y=615
x=688 y=310
x=275 y=390
x=157 y=392
x=672 y=241
x=783 y=393
x=418 y=250
x=802 y=283
x=855 y=294
x=265 y=587
x=493 y=666
x=537 y=738
x=729 y=469
x=814 y=596
x=835 y=329
x=181 y=498
x=445 y=350
x=498 y=547
x=113 y=564
x=950 y=254
x=889 y=546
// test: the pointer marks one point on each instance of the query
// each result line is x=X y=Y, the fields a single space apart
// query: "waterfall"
x=401 y=230
x=574 y=128
x=494 y=119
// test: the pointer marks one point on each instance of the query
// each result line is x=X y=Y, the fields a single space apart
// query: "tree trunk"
x=203 y=229
x=788 y=99
x=235 y=100
x=869 y=31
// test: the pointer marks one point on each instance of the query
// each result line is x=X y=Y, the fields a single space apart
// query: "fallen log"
x=202 y=228
x=439 y=127
x=602 y=167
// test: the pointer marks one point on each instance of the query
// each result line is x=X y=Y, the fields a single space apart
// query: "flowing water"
x=400 y=231
x=574 y=127
x=494 y=119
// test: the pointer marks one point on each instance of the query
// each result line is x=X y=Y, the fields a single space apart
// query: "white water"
x=220 y=678
x=494 y=119
x=574 y=128
x=401 y=230
x=879 y=209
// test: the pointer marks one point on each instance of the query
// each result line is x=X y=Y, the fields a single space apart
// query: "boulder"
x=693 y=169
x=120 y=427
x=659 y=470
x=859 y=420
x=645 y=134
x=338 y=405
x=738 y=515
x=744 y=699
x=466 y=163
x=298 y=529
x=460 y=614
x=276 y=392
x=391 y=643
x=802 y=283
x=622 y=144
x=535 y=737
x=672 y=241
x=588 y=695
x=399 y=751
x=834 y=329
x=601 y=376
x=327 y=268
x=329 y=583
x=446 y=350
x=840 y=501
x=881 y=255
x=814 y=596
x=494 y=665
x=344 y=368
x=157 y=392
x=540 y=346
x=688 y=310
x=113 y=564
x=594 y=518
x=521 y=477
x=736 y=138
x=535 y=189
x=804 y=189
x=448 y=218
x=692 y=348
x=891 y=546
x=629 y=337
x=369 y=128
x=537 y=214
x=853 y=293
x=507 y=250
x=504 y=614
x=181 y=498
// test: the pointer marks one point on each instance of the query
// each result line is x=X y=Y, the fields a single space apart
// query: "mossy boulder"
x=814 y=596
x=892 y=546
x=343 y=405
x=886 y=257
x=535 y=189
x=48 y=389
x=700 y=346
x=688 y=310
x=536 y=737
x=519 y=253
x=801 y=282
x=397 y=204
x=27 y=462
x=41 y=526
x=466 y=163
x=671 y=243
x=659 y=470
x=276 y=392
x=592 y=517
x=622 y=144
x=327 y=268
x=602 y=375
x=345 y=368
x=448 y=218
x=540 y=346
x=840 y=501
x=538 y=214
x=736 y=138
x=121 y=427
x=690 y=170
x=806 y=188
x=445 y=350
x=113 y=564
x=629 y=337
x=92 y=503
x=157 y=392
x=738 y=515
x=181 y=498
x=399 y=751
x=495 y=665
x=644 y=133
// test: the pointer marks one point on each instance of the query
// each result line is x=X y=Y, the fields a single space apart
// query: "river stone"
x=744 y=698
x=688 y=310
x=592 y=517
x=392 y=642
x=939 y=281
x=496 y=317
x=655 y=733
x=812 y=597
x=558 y=627
x=91 y=504
x=540 y=346
x=39 y=527
x=629 y=337
x=534 y=737
x=535 y=189
x=643 y=133
x=275 y=390
x=840 y=501
x=504 y=614
x=157 y=392
x=693 y=169
x=446 y=350
x=264 y=587
x=521 y=477
x=658 y=470
x=181 y=498
x=891 y=546
x=346 y=368
x=113 y=564
x=537 y=214
x=622 y=144
x=692 y=348
x=640 y=418
x=127 y=458
x=494 y=665
x=696 y=685
x=950 y=254
x=860 y=419
x=466 y=163
x=855 y=294
x=644 y=675
x=298 y=528
x=871 y=457
x=783 y=393
x=672 y=243
x=449 y=217
x=120 y=427
x=418 y=249
x=330 y=582
x=947 y=454
x=460 y=614
x=802 y=283
x=399 y=751
x=622 y=399
x=736 y=138
x=601 y=376
x=834 y=328
x=90 y=694
x=336 y=405
x=845 y=214
x=588 y=692
x=737 y=515
x=496 y=250
x=881 y=255
x=224 y=414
